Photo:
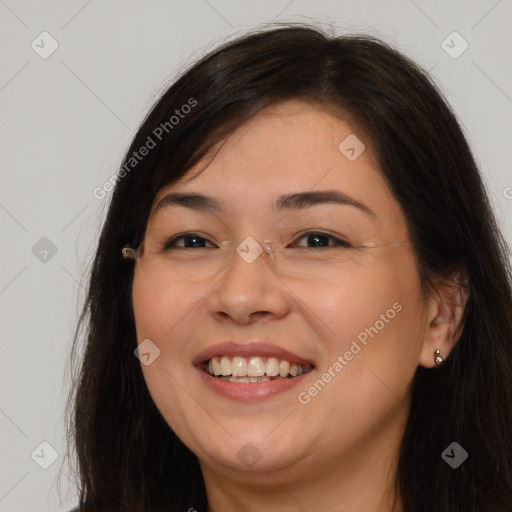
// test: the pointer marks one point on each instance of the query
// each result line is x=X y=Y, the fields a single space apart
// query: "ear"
x=444 y=312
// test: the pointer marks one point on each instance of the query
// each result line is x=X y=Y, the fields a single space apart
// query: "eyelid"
x=340 y=241
x=181 y=236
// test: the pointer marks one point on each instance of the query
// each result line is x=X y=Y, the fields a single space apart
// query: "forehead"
x=289 y=147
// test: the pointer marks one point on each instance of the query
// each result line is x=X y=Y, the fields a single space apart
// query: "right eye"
x=192 y=238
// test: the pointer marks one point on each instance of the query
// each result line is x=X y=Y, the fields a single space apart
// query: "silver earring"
x=438 y=359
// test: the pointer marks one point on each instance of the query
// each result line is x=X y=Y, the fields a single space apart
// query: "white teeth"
x=272 y=368
x=239 y=367
x=225 y=366
x=246 y=379
x=255 y=368
x=238 y=379
x=295 y=369
x=216 y=366
x=284 y=368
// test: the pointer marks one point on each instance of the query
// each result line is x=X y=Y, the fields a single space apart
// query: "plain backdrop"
x=67 y=117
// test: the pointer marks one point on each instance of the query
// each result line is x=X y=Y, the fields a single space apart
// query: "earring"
x=438 y=359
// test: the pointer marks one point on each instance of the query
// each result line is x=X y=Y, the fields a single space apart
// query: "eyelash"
x=339 y=243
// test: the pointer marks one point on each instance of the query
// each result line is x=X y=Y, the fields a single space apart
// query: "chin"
x=252 y=456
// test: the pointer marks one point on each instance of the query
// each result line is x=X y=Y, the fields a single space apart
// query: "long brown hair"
x=128 y=457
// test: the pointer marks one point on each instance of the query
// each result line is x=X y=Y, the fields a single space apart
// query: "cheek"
x=157 y=306
x=376 y=308
x=370 y=359
x=160 y=314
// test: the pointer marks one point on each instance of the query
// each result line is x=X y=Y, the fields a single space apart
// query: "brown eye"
x=321 y=240
x=190 y=240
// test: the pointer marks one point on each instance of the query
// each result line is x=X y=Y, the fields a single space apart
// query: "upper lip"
x=248 y=349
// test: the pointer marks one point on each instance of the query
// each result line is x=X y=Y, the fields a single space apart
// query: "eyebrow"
x=295 y=201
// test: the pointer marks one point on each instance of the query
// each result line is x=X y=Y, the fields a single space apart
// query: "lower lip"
x=250 y=391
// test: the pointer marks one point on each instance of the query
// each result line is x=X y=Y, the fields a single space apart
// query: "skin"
x=338 y=451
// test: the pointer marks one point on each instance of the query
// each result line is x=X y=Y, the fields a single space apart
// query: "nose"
x=249 y=290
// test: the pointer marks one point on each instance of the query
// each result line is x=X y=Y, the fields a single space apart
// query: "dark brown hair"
x=128 y=457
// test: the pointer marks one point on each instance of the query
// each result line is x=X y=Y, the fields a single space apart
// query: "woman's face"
x=343 y=304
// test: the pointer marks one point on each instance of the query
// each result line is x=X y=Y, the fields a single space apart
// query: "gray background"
x=67 y=119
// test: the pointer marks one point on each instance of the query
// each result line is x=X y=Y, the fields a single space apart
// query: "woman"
x=300 y=298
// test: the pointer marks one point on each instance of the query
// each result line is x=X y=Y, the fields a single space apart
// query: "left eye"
x=319 y=238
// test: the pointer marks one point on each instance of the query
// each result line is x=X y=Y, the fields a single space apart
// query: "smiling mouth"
x=253 y=369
